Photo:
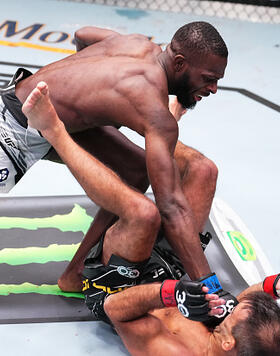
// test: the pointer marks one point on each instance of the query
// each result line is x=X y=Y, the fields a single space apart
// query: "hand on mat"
x=176 y=108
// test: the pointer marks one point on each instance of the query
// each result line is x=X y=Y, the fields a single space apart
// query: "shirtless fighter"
x=121 y=80
x=149 y=325
x=145 y=316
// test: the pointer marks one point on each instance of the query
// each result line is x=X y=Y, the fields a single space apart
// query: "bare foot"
x=70 y=283
x=39 y=110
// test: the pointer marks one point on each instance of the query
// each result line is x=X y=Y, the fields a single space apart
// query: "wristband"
x=211 y=281
x=269 y=285
x=167 y=293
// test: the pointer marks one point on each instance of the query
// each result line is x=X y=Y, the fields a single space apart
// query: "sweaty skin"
x=121 y=80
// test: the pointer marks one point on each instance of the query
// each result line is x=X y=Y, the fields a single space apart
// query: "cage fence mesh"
x=266 y=11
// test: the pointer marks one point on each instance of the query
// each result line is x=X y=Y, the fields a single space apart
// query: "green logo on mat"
x=76 y=220
x=242 y=246
x=50 y=289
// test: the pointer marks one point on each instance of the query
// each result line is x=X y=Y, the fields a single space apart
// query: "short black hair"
x=198 y=38
x=259 y=333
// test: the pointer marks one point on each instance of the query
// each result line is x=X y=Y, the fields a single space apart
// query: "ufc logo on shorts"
x=4 y=173
x=9 y=142
x=158 y=272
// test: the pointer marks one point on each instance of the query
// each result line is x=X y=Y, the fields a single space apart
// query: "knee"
x=203 y=170
x=146 y=215
x=208 y=170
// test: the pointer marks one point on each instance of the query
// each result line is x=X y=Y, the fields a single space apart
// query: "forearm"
x=180 y=226
x=182 y=233
x=270 y=285
x=133 y=303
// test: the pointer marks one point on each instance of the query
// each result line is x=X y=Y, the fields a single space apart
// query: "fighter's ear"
x=179 y=62
x=228 y=343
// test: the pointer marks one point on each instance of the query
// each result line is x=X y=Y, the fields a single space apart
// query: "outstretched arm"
x=270 y=285
x=89 y=35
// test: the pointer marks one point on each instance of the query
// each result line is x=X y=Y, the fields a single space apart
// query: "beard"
x=183 y=93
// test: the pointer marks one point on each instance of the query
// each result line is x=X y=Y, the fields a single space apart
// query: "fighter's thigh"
x=115 y=150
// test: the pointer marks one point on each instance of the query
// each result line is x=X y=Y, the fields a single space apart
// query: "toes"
x=43 y=87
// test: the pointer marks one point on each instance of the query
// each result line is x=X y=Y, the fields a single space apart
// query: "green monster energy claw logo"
x=50 y=289
x=75 y=221
x=242 y=246
x=51 y=253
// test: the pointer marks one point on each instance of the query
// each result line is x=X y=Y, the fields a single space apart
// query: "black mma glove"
x=190 y=299
x=211 y=281
x=187 y=296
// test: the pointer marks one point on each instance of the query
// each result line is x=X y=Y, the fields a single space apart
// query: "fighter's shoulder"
x=147 y=84
x=145 y=75
x=132 y=45
x=147 y=45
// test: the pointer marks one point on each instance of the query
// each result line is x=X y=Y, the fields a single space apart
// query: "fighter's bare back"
x=111 y=82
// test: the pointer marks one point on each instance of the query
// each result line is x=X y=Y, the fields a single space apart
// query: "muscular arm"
x=179 y=222
x=141 y=332
x=133 y=303
x=89 y=35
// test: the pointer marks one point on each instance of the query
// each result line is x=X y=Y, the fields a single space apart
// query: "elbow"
x=78 y=34
x=78 y=41
x=81 y=31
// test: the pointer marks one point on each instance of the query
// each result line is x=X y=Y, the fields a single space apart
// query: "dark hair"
x=198 y=38
x=259 y=333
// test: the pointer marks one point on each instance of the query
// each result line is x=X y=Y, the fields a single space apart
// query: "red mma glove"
x=269 y=286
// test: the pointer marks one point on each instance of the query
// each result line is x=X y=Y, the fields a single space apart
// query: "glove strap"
x=269 y=285
x=211 y=281
x=167 y=293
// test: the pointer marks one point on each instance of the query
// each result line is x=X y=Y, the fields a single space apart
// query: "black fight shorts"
x=100 y=281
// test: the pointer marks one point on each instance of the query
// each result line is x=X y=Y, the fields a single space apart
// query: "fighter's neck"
x=215 y=347
x=165 y=61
